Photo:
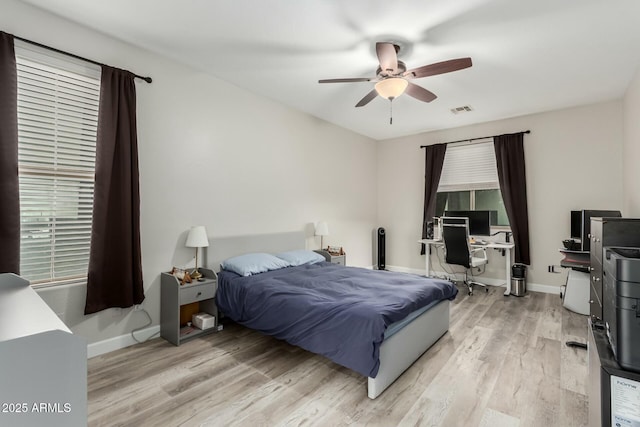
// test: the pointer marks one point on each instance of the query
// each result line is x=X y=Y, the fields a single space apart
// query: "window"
x=57 y=126
x=469 y=181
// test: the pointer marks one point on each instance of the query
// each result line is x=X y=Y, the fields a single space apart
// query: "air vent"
x=463 y=109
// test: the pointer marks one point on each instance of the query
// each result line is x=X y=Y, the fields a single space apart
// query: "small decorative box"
x=203 y=320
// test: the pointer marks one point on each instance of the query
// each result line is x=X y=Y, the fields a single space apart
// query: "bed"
x=398 y=316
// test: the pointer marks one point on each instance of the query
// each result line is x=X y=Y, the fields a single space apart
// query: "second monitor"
x=479 y=221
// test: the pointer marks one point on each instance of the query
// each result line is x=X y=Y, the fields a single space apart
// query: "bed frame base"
x=407 y=345
x=396 y=354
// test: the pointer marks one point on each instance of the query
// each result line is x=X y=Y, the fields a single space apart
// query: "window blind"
x=57 y=127
x=469 y=167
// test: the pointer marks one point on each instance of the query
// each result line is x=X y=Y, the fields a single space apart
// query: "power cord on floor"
x=143 y=327
x=439 y=252
x=480 y=273
x=454 y=273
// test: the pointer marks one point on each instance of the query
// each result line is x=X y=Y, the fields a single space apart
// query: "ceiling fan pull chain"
x=391 y=111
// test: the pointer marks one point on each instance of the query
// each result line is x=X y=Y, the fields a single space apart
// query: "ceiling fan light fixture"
x=391 y=88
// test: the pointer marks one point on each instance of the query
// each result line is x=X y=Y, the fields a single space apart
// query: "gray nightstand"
x=335 y=259
x=174 y=296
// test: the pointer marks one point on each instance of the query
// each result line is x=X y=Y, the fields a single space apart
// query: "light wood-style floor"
x=502 y=363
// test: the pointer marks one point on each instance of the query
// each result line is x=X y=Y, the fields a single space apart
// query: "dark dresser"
x=620 y=232
x=621 y=305
x=614 y=393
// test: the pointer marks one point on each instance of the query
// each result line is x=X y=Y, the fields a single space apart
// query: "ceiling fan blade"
x=438 y=68
x=387 y=57
x=420 y=93
x=367 y=98
x=356 y=79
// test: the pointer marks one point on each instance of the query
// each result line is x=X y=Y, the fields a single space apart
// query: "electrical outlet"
x=137 y=307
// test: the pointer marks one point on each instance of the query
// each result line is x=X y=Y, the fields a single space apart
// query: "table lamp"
x=322 y=229
x=197 y=238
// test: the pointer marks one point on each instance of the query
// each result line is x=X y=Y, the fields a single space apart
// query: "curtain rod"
x=474 y=139
x=146 y=79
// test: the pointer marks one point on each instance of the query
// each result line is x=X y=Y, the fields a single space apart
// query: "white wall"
x=631 y=149
x=215 y=155
x=573 y=161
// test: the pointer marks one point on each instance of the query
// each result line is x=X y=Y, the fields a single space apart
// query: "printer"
x=621 y=304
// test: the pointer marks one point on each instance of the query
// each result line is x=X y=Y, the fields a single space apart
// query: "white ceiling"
x=528 y=55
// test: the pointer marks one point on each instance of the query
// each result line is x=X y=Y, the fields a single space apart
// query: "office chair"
x=459 y=252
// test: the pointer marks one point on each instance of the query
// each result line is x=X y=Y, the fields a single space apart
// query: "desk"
x=576 y=294
x=577 y=260
x=508 y=247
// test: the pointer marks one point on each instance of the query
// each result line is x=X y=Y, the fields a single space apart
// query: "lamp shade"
x=322 y=229
x=392 y=87
x=197 y=237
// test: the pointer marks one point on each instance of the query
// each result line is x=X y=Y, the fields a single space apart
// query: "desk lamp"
x=322 y=229
x=197 y=238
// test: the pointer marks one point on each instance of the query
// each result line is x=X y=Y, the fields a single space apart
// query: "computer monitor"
x=479 y=221
x=581 y=224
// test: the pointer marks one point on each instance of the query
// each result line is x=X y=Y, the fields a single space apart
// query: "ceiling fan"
x=392 y=76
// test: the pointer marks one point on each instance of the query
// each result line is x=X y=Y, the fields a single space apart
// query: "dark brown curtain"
x=511 y=175
x=434 y=160
x=9 y=187
x=115 y=261
x=441 y=203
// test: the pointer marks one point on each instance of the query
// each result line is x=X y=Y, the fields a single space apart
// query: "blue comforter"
x=339 y=312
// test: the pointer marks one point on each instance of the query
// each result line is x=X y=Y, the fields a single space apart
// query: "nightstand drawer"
x=338 y=259
x=196 y=293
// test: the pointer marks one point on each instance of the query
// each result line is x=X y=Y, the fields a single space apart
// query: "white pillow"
x=301 y=257
x=254 y=263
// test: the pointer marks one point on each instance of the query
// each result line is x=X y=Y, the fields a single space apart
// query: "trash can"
x=518 y=280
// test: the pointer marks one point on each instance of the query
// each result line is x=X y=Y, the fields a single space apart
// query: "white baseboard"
x=534 y=287
x=122 y=341
x=547 y=289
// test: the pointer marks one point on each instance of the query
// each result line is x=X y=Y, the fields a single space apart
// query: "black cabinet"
x=613 y=391
x=622 y=232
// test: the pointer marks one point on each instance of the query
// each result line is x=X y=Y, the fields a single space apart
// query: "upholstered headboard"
x=222 y=248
